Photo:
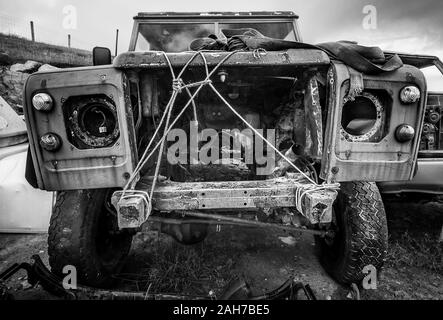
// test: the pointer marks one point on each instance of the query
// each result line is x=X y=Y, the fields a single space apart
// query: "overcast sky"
x=406 y=25
x=413 y=26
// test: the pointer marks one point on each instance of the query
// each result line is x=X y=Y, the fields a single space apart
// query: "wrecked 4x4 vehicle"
x=223 y=118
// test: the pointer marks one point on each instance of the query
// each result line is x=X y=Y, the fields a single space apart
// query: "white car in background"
x=23 y=209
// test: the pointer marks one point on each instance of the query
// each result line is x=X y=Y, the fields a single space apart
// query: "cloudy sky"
x=413 y=26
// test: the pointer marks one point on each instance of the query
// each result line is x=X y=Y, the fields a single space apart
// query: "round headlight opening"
x=98 y=120
x=361 y=118
x=92 y=121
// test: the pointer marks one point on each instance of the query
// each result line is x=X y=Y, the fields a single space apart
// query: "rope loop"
x=258 y=53
x=304 y=189
x=138 y=194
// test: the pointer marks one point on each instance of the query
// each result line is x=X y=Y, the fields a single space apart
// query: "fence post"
x=32 y=31
x=116 y=42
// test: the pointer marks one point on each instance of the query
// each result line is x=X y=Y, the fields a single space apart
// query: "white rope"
x=303 y=190
x=299 y=195
x=178 y=85
x=160 y=151
x=144 y=159
x=169 y=105
x=139 y=194
x=260 y=135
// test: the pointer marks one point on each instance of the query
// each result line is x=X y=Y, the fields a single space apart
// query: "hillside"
x=21 y=50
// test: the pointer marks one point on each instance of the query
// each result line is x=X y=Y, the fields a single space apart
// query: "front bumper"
x=133 y=208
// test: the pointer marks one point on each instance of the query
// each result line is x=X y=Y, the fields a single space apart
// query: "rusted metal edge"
x=170 y=196
x=156 y=59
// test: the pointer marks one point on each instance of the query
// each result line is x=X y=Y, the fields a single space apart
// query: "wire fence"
x=24 y=40
x=17 y=26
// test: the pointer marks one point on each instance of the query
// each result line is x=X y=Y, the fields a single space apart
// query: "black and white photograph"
x=229 y=158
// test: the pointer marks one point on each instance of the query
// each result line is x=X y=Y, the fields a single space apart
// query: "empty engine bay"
x=265 y=98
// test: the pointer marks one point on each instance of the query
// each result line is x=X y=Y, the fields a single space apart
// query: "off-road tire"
x=361 y=237
x=80 y=234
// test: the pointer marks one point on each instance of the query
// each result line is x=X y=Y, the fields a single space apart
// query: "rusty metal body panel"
x=387 y=159
x=428 y=177
x=72 y=168
x=289 y=58
x=225 y=195
x=342 y=160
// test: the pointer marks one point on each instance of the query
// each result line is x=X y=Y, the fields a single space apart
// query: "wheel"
x=360 y=233
x=83 y=233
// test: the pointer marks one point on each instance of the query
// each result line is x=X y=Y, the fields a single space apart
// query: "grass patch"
x=187 y=268
x=169 y=267
x=414 y=225
x=419 y=251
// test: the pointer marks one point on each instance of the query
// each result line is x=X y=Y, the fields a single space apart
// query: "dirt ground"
x=265 y=259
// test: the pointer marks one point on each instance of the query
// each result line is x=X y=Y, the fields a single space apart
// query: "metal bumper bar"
x=228 y=195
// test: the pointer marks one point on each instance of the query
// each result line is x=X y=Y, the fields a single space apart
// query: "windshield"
x=276 y=30
x=176 y=37
x=434 y=78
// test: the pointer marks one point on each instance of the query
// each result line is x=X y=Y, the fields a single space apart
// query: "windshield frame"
x=216 y=20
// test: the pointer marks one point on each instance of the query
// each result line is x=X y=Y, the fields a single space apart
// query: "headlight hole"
x=361 y=118
x=97 y=120
x=92 y=121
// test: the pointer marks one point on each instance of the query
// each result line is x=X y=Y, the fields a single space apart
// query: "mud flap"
x=30 y=175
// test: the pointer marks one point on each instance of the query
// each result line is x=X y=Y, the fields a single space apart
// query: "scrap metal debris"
x=38 y=274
